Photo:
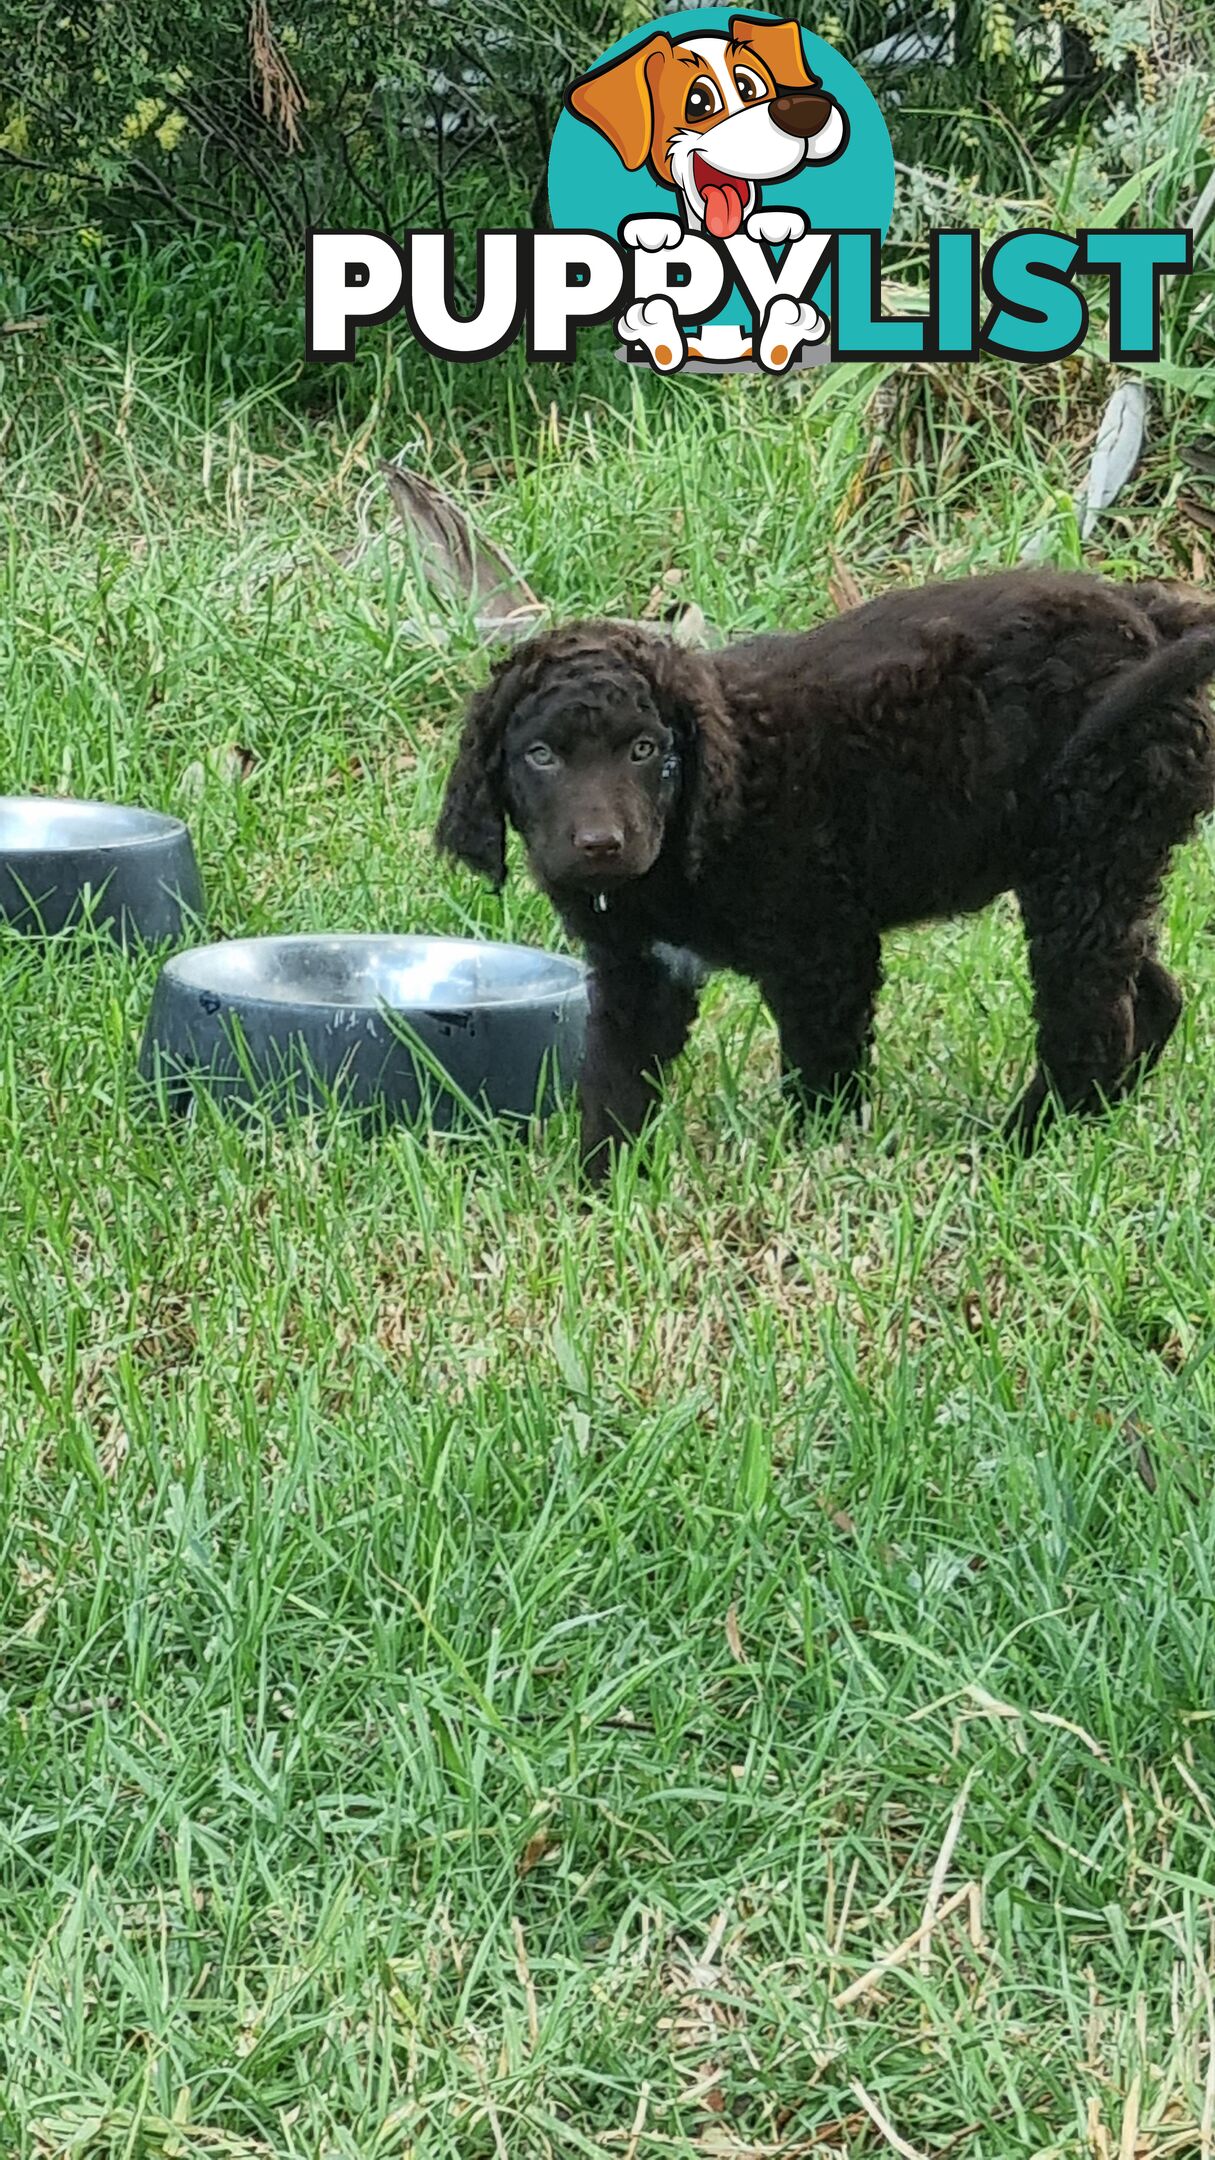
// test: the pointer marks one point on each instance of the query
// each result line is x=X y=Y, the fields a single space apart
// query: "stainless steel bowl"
x=395 y=1025
x=132 y=870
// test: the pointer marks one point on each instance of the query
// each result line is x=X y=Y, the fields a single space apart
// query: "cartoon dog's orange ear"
x=779 y=46
x=618 y=99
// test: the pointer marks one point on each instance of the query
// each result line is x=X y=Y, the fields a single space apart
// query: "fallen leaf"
x=1145 y=1468
x=540 y=1847
x=1198 y=511
x=844 y=591
x=456 y=559
x=684 y=621
x=1115 y=452
x=1203 y=210
x=229 y=763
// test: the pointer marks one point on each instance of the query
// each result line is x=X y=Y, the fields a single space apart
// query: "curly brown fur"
x=775 y=807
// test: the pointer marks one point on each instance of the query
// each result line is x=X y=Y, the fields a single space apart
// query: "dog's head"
x=712 y=116
x=602 y=746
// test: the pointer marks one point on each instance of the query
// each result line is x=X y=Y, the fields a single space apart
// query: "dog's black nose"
x=599 y=843
x=801 y=112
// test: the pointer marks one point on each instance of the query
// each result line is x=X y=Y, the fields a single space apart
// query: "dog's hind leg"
x=1158 y=1008
x=1130 y=786
x=642 y=1006
x=1104 y=1006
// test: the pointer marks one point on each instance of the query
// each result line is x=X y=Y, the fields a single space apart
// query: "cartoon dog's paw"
x=654 y=324
x=775 y=226
x=651 y=233
x=788 y=324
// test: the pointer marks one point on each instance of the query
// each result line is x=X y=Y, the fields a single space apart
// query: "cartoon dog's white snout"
x=747 y=144
x=654 y=324
x=788 y=325
x=801 y=115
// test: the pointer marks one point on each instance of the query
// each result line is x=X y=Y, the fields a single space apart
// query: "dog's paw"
x=651 y=233
x=775 y=226
x=788 y=325
x=654 y=324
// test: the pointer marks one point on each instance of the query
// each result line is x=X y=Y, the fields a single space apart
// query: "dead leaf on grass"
x=230 y=764
x=1197 y=512
x=1145 y=1468
x=458 y=561
x=843 y=589
x=541 y=1846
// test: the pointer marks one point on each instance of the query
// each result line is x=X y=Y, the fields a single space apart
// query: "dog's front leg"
x=823 y=1007
x=641 y=1008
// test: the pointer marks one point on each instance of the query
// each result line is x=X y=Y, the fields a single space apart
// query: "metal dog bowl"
x=133 y=870
x=386 y=1024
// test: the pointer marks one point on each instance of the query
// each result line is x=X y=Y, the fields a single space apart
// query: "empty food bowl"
x=61 y=861
x=394 y=1025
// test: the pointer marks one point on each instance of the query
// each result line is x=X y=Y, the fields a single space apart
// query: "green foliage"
x=230 y=117
x=987 y=90
x=251 y=122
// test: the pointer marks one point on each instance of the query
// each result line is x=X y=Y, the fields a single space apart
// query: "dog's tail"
x=1146 y=691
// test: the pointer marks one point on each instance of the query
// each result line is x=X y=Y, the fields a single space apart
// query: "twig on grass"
x=992 y=1705
x=642 y=2109
x=884 y=2126
x=902 y=1951
x=940 y=1871
x=524 y=1971
x=1128 y=2142
x=1206 y=2128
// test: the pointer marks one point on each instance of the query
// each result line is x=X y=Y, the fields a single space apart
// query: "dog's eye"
x=748 y=86
x=642 y=749
x=702 y=100
x=541 y=756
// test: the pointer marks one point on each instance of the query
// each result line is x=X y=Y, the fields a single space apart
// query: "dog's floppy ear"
x=472 y=820
x=691 y=703
x=779 y=46
x=619 y=99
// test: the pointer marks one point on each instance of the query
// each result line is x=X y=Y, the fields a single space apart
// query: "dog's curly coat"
x=1033 y=731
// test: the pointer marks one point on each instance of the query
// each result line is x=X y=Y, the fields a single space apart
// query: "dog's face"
x=601 y=745
x=591 y=776
x=713 y=116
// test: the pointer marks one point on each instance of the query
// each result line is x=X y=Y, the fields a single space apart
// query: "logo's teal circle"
x=590 y=190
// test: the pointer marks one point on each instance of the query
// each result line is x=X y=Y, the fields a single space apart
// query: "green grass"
x=480 y=1676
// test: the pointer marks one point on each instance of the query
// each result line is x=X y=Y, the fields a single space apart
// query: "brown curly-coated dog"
x=772 y=808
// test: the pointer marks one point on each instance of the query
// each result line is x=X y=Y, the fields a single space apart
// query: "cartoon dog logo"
x=714 y=117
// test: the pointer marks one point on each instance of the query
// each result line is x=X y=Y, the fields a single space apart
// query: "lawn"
x=486 y=1676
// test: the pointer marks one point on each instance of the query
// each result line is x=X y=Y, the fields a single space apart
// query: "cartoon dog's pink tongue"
x=724 y=197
